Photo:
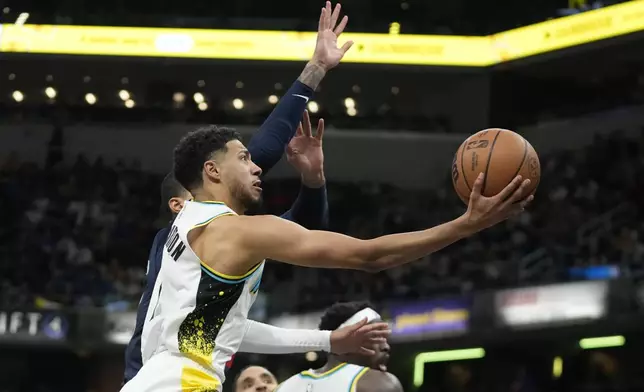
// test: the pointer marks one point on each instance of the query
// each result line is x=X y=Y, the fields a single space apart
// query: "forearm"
x=310 y=209
x=268 y=144
x=396 y=249
x=267 y=339
x=312 y=75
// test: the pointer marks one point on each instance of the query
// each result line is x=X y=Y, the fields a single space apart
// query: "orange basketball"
x=501 y=155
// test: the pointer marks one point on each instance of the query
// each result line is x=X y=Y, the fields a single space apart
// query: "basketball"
x=500 y=154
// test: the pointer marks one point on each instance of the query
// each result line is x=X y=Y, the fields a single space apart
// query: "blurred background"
x=550 y=301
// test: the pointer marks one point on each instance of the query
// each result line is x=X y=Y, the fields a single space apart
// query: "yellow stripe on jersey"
x=230 y=278
x=208 y=202
x=325 y=374
x=195 y=380
x=356 y=378
x=224 y=277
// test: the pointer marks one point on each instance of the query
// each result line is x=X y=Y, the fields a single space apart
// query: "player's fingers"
x=299 y=131
x=320 y=131
x=375 y=327
x=366 y=351
x=347 y=45
x=340 y=28
x=321 y=21
x=327 y=16
x=519 y=194
x=378 y=333
x=510 y=189
x=335 y=15
x=306 y=122
x=526 y=202
x=477 y=186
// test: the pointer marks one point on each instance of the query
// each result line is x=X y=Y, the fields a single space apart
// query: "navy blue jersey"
x=133 y=360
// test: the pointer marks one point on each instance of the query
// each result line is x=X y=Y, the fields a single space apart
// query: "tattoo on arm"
x=312 y=75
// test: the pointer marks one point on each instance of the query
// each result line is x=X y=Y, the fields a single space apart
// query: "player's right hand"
x=327 y=54
x=359 y=338
x=483 y=212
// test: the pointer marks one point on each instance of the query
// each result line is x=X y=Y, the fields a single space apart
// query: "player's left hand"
x=305 y=153
x=359 y=338
x=327 y=53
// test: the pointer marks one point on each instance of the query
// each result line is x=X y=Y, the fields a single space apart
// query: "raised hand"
x=484 y=212
x=327 y=53
x=359 y=338
x=305 y=153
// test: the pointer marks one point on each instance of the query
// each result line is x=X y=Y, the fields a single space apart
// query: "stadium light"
x=557 y=367
x=349 y=103
x=394 y=28
x=178 y=97
x=202 y=106
x=602 y=342
x=352 y=112
x=22 y=18
x=198 y=97
x=50 y=92
x=129 y=103
x=313 y=107
x=273 y=99
x=442 y=356
x=18 y=96
x=124 y=95
x=90 y=98
x=311 y=356
x=238 y=104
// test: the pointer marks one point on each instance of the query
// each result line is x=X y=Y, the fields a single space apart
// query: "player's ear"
x=175 y=204
x=212 y=170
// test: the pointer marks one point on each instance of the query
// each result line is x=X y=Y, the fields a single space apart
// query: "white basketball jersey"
x=343 y=377
x=195 y=311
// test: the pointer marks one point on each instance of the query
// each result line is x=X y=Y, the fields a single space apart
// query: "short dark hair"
x=340 y=312
x=197 y=147
x=242 y=370
x=170 y=188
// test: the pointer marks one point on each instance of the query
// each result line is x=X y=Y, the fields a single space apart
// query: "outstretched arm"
x=266 y=339
x=257 y=237
x=267 y=146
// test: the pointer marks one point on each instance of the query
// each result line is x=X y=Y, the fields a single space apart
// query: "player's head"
x=173 y=193
x=348 y=313
x=255 y=379
x=213 y=162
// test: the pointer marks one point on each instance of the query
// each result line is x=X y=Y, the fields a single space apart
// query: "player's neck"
x=212 y=194
x=331 y=363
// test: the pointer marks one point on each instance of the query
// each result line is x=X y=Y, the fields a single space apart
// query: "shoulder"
x=377 y=381
x=285 y=385
x=245 y=226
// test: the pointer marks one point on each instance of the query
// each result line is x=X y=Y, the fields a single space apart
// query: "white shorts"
x=167 y=372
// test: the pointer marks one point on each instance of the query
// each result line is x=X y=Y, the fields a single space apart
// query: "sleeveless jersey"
x=342 y=378
x=196 y=312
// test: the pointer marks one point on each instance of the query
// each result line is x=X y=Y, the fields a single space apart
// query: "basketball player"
x=255 y=379
x=347 y=372
x=282 y=340
x=267 y=147
x=214 y=258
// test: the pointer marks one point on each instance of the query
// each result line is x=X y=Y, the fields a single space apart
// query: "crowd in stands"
x=79 y=234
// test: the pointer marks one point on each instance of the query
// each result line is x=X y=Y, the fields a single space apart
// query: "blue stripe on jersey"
x=133 y=360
